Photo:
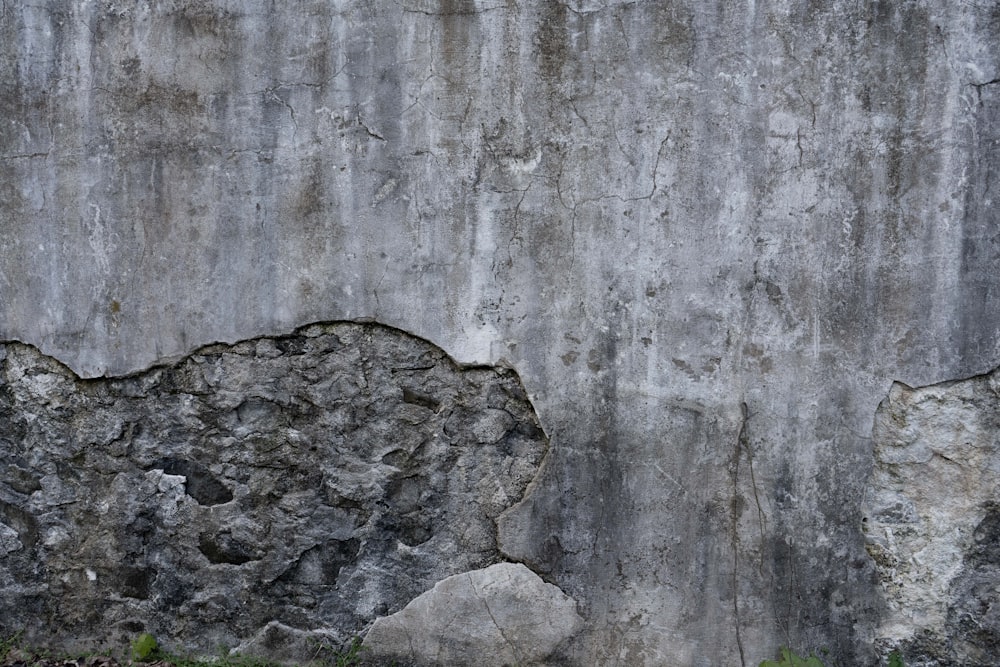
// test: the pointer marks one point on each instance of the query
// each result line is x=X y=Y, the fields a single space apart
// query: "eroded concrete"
x=657 y=212
x=263 y=493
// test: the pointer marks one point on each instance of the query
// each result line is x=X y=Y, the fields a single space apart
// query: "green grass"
x=145 y=649
x=221 y=661
x=789 y=659
x=350 y=657
x=8 y=644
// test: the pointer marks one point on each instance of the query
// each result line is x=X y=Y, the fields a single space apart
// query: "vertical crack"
x=378 y=302
x=517 y=227
x=744 y=443
x=291 y=112
x=486 y=605
x=741 y=438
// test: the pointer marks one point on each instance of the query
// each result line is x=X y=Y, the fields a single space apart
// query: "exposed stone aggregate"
x=309 y=483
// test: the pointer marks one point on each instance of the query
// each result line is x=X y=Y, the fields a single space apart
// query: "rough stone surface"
x=306 y=483
x=503 y=615
x=932 y=521
x=707 y=234
x=284 y=643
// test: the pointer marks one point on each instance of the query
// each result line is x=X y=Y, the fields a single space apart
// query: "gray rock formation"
x=932 y=521
x=301 y=484
x=501 y=615
x=707 y=235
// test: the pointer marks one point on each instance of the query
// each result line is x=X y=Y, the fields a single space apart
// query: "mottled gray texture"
x=657 y=212
x=312 y=481
x=500 y=615
x=932 y=522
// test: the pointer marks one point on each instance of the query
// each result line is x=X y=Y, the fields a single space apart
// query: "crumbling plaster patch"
x=307 y=482
x=930 y=511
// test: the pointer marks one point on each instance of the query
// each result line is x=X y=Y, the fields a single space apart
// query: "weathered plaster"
x=931 y=521
x=657 y=212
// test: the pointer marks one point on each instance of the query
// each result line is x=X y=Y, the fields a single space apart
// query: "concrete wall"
x=707 y=235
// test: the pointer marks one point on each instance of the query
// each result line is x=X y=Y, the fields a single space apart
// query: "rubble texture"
x=932 y=521
x=707 y=235
x=277 y=487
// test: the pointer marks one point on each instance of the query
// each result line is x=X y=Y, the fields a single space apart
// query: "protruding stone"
x=503 y=614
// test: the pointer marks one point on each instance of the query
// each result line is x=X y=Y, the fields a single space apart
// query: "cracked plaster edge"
x=990 y=370
x=174 y=360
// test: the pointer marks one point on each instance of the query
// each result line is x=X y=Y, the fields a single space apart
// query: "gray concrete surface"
x=707 y=235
